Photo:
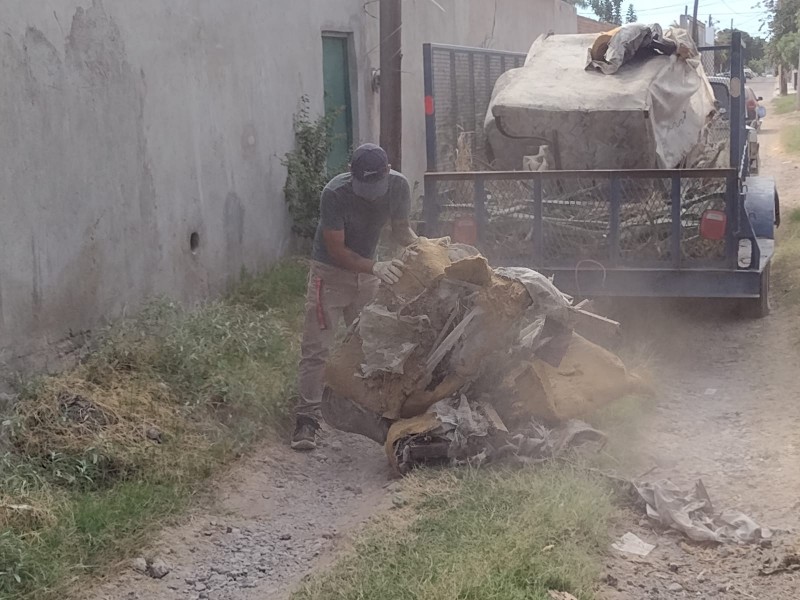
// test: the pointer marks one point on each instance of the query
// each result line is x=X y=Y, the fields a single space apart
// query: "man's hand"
x=388 y=271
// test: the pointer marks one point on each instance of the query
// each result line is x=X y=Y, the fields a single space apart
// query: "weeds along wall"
x=142 y=142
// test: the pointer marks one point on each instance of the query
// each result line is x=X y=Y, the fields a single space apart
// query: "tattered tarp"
x=613 y=49
x=649 y=114
x=692 y=513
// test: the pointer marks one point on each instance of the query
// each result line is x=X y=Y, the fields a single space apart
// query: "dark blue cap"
x=370 y=169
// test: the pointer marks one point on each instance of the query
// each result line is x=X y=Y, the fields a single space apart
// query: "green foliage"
x=499 y=533
x=306 y=167
x=790 y=138
x=755 y=50
x=782 y=22
x=609 y=11
x=211 y=380
x=784 y=104
x=785 y=49
x=758 y=65
x=631 y=17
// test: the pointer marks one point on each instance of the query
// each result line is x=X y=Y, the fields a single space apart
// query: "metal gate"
x=458 y=87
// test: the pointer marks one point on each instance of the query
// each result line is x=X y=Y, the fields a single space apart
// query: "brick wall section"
x=587 y=25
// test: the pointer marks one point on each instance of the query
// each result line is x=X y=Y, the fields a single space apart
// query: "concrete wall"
x=127 y=126
x=499 y=24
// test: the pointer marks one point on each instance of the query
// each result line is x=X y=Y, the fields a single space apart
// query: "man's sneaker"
x=305 y=434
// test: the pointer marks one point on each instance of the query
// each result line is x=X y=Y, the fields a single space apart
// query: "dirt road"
x=727 y=412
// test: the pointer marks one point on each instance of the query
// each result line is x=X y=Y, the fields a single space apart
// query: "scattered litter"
x=139 y=564
x=399 y=501
x=158 y=569
x=631 y=543
x=692 y=513
x=790 y=563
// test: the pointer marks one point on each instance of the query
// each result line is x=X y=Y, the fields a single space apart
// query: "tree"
x=754 y=50
x=609 y=11
x=782 y=22
x=631 y=16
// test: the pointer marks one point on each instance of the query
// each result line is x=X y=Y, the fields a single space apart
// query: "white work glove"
x=388 y=271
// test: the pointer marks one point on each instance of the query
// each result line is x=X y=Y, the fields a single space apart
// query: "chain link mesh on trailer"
x=462 y=80
x=577 y=219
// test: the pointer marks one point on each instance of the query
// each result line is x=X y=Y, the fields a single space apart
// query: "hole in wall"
x=194 y=241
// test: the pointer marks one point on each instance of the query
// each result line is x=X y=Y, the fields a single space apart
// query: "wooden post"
x=391 y=100
x=694 y=24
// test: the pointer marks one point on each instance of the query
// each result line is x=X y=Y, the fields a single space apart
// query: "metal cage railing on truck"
x=458 y=87
x=620 y=232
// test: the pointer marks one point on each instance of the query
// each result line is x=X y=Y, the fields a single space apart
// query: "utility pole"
x=694 y=24
x=391 y=22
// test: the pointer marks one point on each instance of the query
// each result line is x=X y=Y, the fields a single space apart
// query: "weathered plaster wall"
x=127 y=126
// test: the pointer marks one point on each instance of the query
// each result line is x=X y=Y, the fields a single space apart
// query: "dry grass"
x=103 y=453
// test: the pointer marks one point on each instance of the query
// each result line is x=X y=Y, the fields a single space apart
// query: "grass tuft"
x=784 y=104
x=790 y=138
x=490 y=534
x=101 y=454
x=786 y=279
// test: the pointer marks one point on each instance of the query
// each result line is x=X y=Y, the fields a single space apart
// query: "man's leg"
x=330 y=291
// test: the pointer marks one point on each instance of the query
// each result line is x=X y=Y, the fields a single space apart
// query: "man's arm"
x=402 y=234
x=342 y=255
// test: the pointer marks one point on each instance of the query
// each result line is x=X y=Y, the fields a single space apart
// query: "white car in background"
x=753 y=115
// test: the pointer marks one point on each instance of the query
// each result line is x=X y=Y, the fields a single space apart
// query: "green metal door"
x=336 y=81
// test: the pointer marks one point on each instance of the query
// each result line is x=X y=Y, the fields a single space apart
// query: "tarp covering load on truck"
x=652 y=112
x=433 y=366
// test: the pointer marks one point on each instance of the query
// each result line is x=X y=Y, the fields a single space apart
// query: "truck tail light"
x=465 y=230
x=713 y=224
x=751 y=105
x=429 y=106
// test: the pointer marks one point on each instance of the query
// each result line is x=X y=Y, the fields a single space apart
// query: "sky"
x=746 y=14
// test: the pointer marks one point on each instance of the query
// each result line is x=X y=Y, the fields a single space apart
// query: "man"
x=344 y=276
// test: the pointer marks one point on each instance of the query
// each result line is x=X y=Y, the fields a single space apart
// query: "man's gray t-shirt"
x=361 y=219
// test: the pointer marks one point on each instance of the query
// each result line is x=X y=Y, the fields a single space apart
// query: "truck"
x=656 y=232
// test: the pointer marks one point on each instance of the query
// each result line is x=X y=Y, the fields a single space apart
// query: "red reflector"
x=713 y=224
x=465 y=230
x=429 y=105
x=751 y=104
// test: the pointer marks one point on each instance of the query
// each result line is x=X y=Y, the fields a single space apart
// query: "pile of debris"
x=459 y=362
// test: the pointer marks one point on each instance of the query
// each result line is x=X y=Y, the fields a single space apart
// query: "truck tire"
x=758 y=308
